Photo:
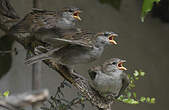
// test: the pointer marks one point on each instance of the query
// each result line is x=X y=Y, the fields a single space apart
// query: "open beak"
x=120 y=65
x=76 y=15
x=111 y=39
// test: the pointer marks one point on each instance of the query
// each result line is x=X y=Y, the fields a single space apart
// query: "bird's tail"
x=37 y=58
x=42 y=56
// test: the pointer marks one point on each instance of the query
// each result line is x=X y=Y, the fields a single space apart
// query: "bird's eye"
x=106 y=34
x=70 y=10
x=114 y=63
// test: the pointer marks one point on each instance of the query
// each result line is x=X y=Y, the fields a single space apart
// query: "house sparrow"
x=7 y=10
x=42 y=22
x=109 y=78
x=78 y=48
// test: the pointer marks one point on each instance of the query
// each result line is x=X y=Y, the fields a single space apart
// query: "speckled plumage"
x=7 y=10
x=79 y=48
x=42 y=23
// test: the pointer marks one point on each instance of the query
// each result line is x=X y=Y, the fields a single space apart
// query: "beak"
x=111 y=39
x=120 y=65
x=76 y=15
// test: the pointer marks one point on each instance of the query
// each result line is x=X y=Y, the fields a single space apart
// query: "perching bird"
x=7 y=10
x=79 y=48
x=42 y=22
x=109 y=78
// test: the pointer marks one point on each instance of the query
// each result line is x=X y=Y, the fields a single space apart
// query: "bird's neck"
x=113 y=72
x=99 y=45
x=65 y=23
x=116 y=73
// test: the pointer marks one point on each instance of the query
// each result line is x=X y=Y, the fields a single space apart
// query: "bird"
x=40 y=22
x=78 y=48
x=109 y=79
x=7 y=10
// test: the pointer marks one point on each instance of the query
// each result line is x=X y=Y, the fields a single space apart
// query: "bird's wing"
x=93 y=72
x=36 y=20
x=81 y=39
x=125 y=83
x=6 y=9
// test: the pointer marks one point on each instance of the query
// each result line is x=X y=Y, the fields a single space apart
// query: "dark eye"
x=114 y=63
x=70 y=10
x=106 y=34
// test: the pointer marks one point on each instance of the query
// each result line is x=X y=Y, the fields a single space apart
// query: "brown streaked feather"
x=6 y=9
x=79 y=38
x=36 y=20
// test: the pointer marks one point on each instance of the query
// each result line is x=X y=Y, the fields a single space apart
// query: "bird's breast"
x=108 y=84
x=96 y=52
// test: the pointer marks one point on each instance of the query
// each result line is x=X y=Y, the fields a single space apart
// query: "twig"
x=5 y=52
x=9 y=52
x=58 y=99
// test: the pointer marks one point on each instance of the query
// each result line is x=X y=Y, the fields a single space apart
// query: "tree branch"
x=26 y=99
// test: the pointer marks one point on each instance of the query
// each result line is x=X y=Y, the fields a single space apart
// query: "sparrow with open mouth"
x=78 y=48
x=7 y=10
x=109 y=78
x=42 y=23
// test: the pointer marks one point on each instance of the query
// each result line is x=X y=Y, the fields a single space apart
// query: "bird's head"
x=114 y=64
x=104 y=38
x=71 y=13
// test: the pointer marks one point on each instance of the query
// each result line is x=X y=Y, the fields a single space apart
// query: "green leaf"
x=129 y=94
x=152 y=100
x=120 y=98
x=147 y=6
x=129 y=76
x=132 y=85
x=134 y=94
x=142 y=99
x=142 y=73
x=130 y=101
x=136 y=73
x=137 y=78
x=136 y=102
x=6 y=93
x=148 y=99
x=125 y=100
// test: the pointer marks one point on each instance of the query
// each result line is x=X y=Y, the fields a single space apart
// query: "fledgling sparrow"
x=80 y=48
x=109 y=78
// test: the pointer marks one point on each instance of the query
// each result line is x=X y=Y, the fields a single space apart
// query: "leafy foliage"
x=147 y=7
x=131 y=97
x=4 y=94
